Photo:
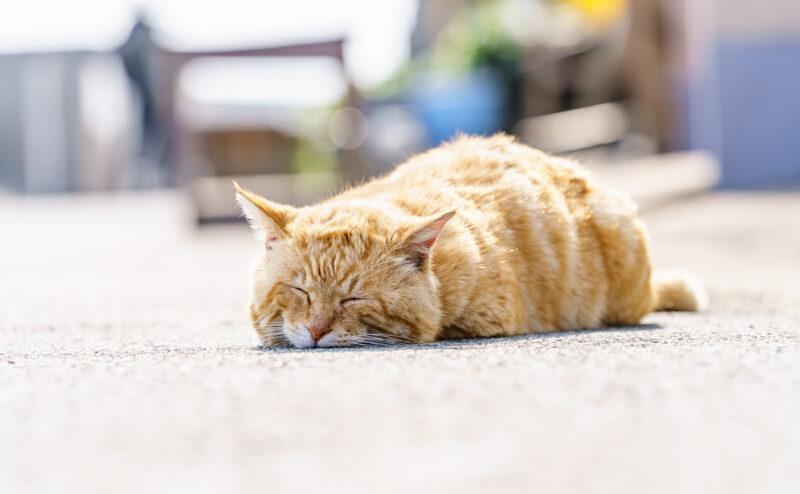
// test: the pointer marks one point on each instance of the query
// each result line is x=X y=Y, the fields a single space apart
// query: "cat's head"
x=345 y=274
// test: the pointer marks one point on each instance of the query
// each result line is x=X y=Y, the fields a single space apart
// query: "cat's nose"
x=318 y=331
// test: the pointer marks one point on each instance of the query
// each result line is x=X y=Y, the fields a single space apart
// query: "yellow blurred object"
x=600 y=12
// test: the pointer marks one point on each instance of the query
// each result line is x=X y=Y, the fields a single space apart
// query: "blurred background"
x=127 y=360
x=296 y=98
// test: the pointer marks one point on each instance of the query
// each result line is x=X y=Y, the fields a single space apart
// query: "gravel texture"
x=126 y=365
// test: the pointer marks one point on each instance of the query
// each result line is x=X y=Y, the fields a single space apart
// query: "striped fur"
x=535 y=245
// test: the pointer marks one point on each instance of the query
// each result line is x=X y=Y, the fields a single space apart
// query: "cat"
x=479 y=237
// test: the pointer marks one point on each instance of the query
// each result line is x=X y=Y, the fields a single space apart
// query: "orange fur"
x=535 y=245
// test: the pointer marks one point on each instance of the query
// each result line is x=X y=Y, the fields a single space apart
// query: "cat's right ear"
x=417 y=247
x=267 y=219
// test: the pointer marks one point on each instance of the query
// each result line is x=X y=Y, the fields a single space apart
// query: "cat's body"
x=535 y=245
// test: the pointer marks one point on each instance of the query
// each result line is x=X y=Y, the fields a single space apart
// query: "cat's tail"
x=678 y=289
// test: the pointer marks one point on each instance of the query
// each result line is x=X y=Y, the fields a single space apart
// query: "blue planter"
x=447 y=104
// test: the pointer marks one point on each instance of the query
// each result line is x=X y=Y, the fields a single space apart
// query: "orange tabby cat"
x=478 y=237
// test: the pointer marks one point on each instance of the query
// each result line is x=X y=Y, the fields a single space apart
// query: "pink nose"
x=318 y=332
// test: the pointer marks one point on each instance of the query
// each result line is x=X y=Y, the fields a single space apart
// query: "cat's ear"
x=417 y=246
x=267 y=219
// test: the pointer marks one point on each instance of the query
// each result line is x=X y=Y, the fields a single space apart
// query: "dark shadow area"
x=460 y=344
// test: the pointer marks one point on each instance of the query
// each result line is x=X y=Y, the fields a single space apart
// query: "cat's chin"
x=302 y=339
x=294 y=337
x=330 y=344
x=298 y=338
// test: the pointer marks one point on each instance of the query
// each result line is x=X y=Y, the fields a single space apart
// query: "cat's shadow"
x=465 y=343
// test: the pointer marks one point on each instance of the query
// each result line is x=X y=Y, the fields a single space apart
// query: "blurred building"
x=298 y=103
x=741 y=93
x=66 y=122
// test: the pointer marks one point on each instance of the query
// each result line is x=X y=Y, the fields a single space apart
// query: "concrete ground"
x=126 y=365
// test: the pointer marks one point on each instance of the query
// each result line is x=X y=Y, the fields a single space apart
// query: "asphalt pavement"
x=127 y=366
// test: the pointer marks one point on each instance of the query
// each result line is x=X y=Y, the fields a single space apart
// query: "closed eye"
x=352 y=300
x=300 y=293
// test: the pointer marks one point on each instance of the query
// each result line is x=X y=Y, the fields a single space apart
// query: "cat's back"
x=489 y=174
x=472 y=162
x=544 y=232
x=536 y=245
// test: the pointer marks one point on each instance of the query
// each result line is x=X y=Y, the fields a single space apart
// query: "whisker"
x=383 y=339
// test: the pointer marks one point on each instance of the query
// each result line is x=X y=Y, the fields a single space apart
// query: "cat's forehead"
x=333 y=258
x=336 y=247
x=353 y=225
x=354 y=215
x=335 y=241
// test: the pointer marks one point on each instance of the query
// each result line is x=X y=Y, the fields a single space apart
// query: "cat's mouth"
x=372 y=336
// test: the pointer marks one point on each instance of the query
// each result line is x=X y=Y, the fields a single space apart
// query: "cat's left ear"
x=267 y=219
x=417 y=246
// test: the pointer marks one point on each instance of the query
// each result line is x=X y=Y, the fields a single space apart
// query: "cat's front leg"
x=268 y=326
